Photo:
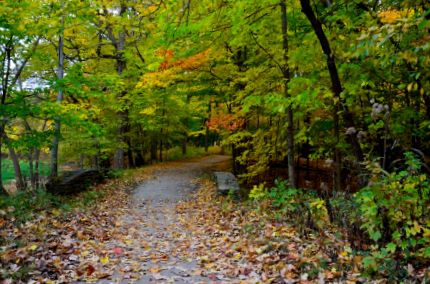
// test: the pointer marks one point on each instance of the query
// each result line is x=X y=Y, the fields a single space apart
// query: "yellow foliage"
x=160 y=79
x=168 y=69
x=148 y=111
x=391 y=16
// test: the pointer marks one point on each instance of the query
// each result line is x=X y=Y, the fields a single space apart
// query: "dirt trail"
x=160 y=244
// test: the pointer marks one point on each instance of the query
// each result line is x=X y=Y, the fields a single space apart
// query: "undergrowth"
x=25 y=205
x=175 y=153
x=8 y=173
x=387 y=222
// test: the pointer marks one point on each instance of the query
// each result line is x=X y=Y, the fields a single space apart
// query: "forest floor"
x=166 y=224
x=165 y=249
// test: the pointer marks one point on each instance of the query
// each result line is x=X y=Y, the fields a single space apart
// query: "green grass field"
x=8 y=172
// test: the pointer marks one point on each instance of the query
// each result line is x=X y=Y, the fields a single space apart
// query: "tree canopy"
x=328 y=94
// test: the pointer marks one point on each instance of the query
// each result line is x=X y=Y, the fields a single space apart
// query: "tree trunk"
x=17 y=169
x=36 y=167
x=207 y=127
x=122 y=115
x=2 y=191
x=60 y=75
x=184 y=147
x=337 y=90
x=130 y=158
x=207 y=138
x=186 y=122
x=81 y=161
x=426 y=97
x=31 y=168
x=287 y=77
x=161 y=148
x=153 y=150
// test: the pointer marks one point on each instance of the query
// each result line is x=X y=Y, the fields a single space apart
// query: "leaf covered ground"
x=203 y=238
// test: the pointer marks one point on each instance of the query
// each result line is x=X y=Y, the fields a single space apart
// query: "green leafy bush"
x=395 y=210
x=24 y=204
x=301 y=205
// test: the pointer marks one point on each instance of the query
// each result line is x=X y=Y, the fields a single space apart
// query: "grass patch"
x=175 y=153
x=8 y=172
x=25 y=205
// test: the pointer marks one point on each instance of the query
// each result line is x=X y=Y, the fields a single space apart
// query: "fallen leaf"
x=90 y=270
x=117 y=251
x=104 y=260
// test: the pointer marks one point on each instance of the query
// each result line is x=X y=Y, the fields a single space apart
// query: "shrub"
x=301 y=205
x=24 y=204
x=395 y=210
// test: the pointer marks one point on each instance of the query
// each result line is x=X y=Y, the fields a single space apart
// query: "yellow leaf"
x=57 y=262
x=104 y=260
x=154 y=270
x=148 y=111
x=33 y=247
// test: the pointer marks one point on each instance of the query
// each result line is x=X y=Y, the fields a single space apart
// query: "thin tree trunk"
x=5 y=81
x=184 y=147
x=31 y=152
x=81 y=161
x=153 y=150
x=122 y=115
x=36 y=167
x=2 y=191
x=60 y=96
x=337 y=90
x=207 y=138
x=161 y=146
x=287 y=78
x=276 y=137
x=207 y=127
x=31 y=168
x=131 y=163
x=16 y=167
x=37 y=160
x=337 y=154
x=186 y=122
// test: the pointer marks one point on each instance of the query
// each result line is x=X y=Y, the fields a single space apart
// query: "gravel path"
x=161 y=244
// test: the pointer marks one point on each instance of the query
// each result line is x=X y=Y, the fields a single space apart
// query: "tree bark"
x=16 y=167
x=337 y=90
x=122 y=115
x=60 y=96
x=2 y=191
x=186 y=122
x=287 y=77
x=207 y=127
x=31 y=168
x=161 y=147
x=153 y=150
x=36 y=167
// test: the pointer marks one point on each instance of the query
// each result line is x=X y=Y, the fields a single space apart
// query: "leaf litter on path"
x=167 y=231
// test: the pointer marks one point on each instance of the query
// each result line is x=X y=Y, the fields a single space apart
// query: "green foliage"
x=395 y=210
x=25 y=204
x=176 y=153
x=215 y=70
x=300 y=205
x=8 y=173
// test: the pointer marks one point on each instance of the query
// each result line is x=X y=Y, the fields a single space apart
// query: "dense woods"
x=332 y=96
